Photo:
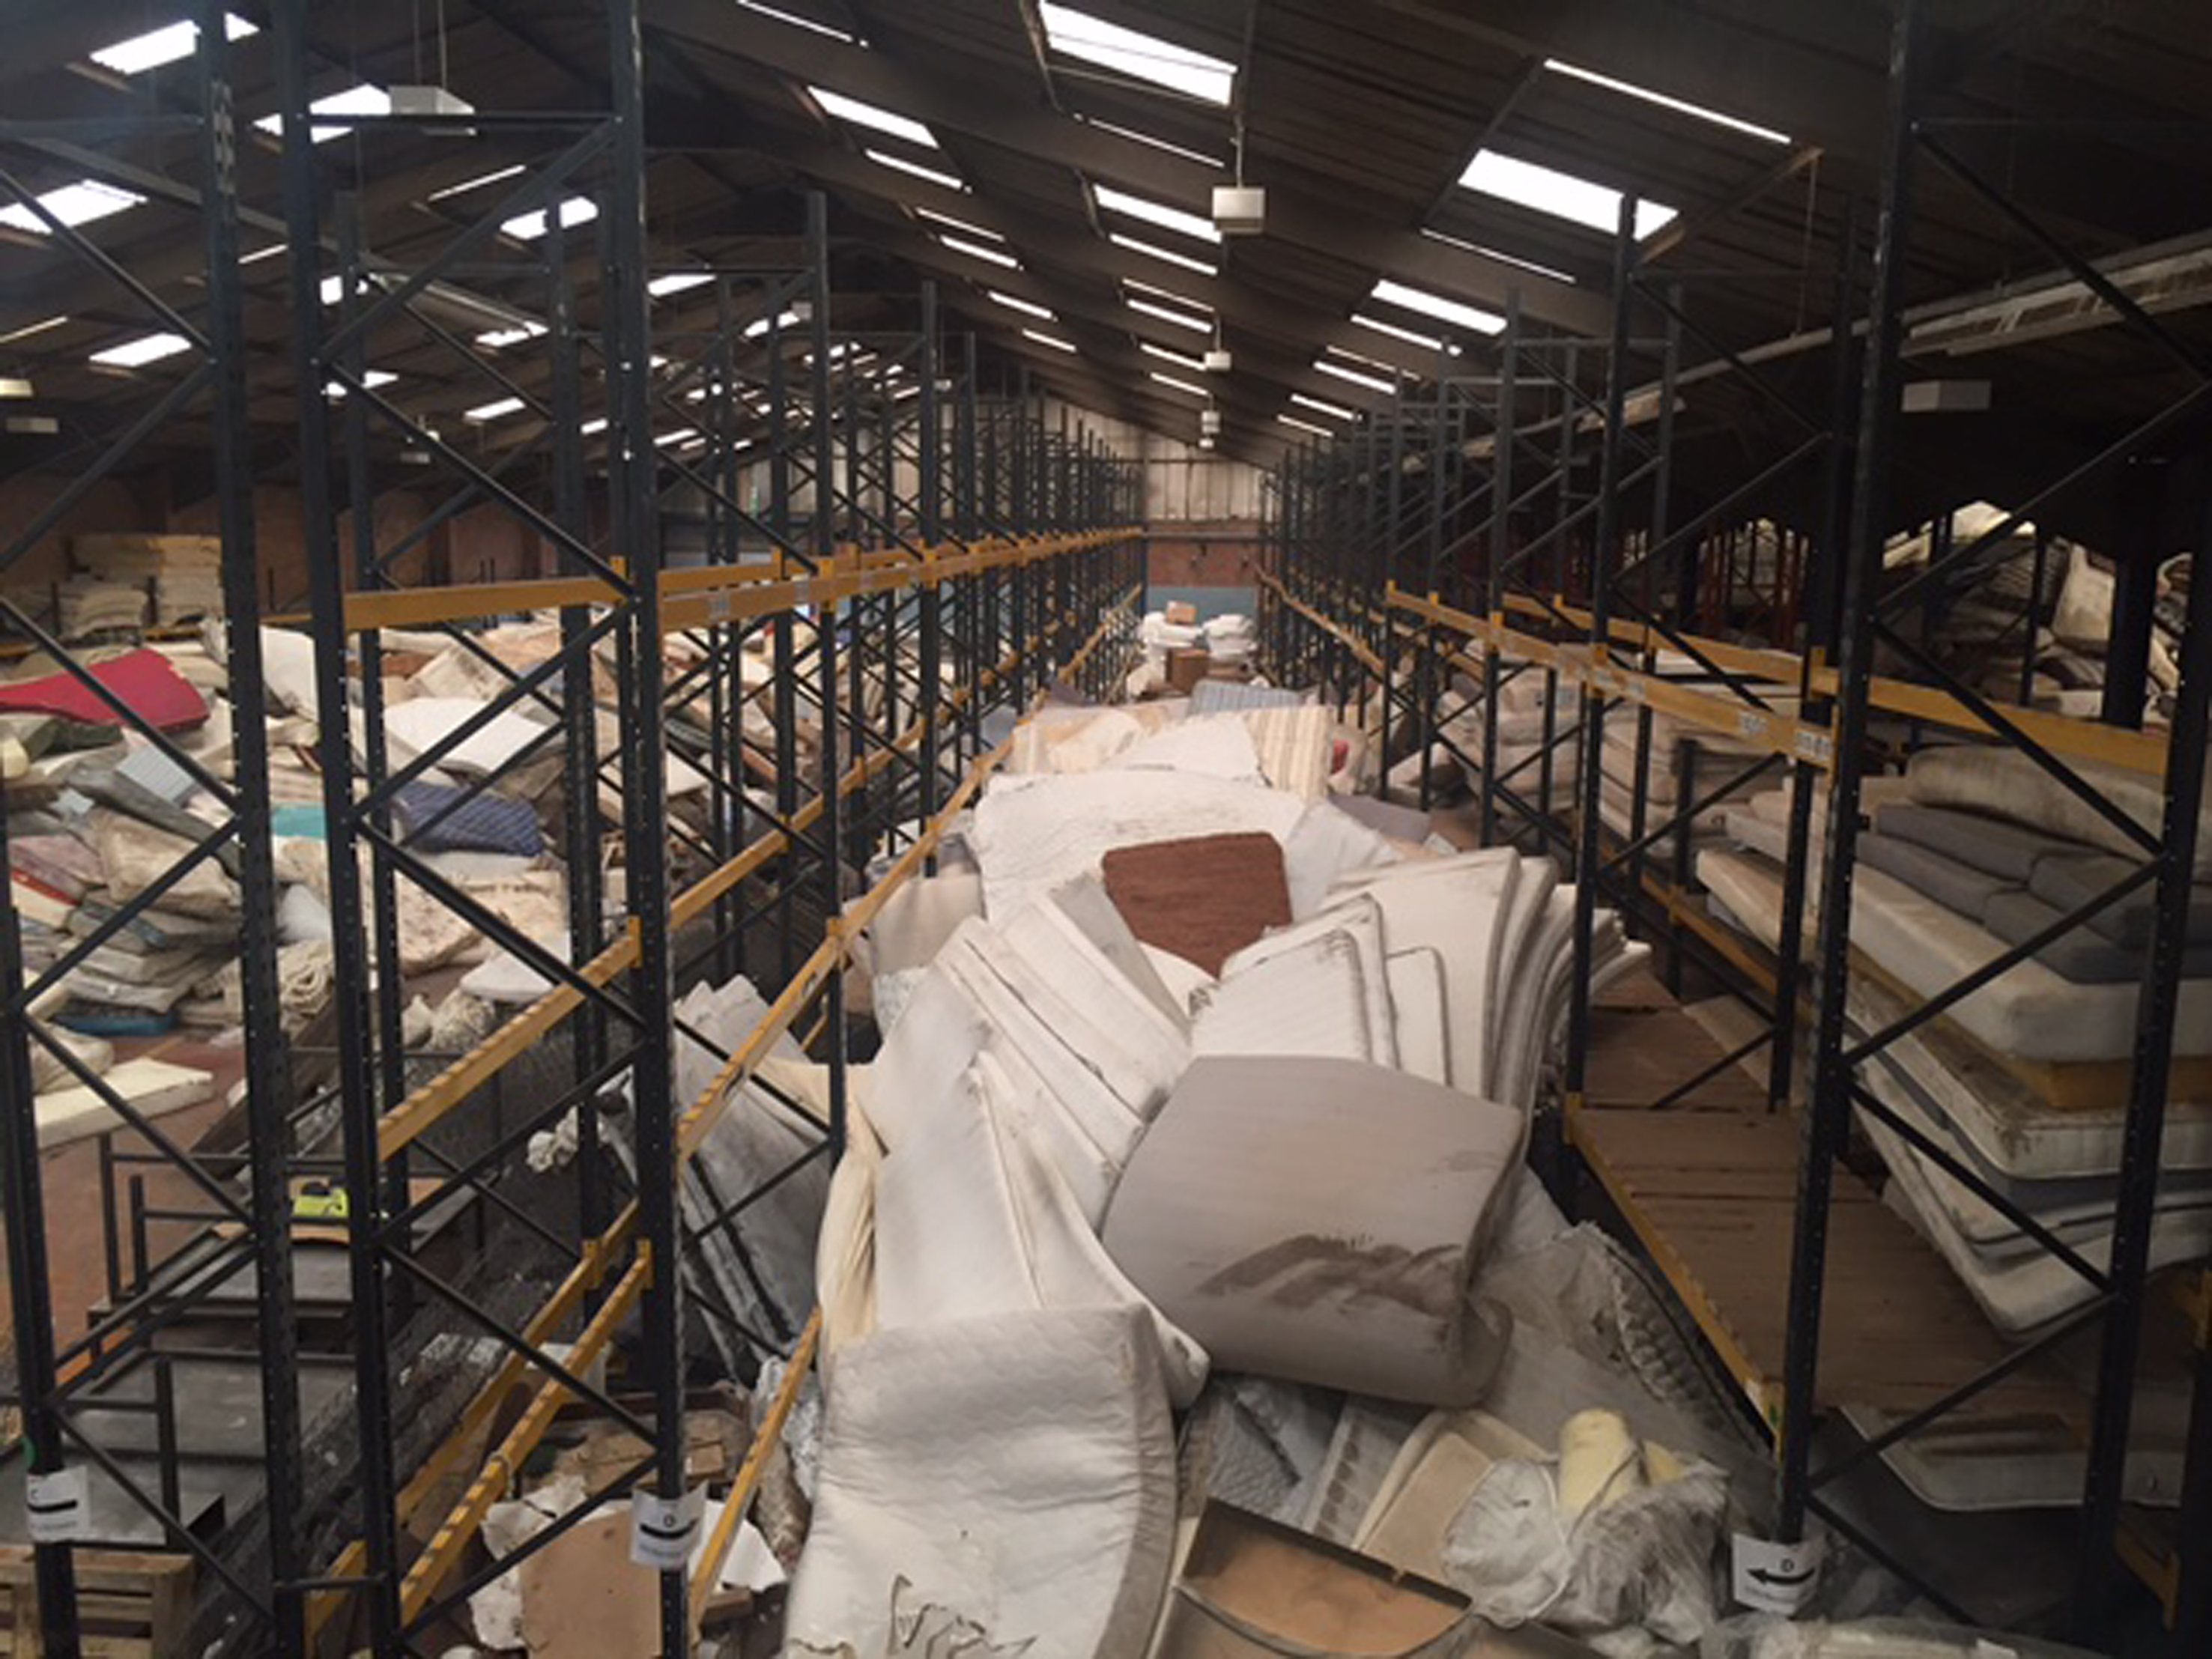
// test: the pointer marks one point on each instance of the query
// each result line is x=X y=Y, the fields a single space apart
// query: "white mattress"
x=2007 y=1124
x=1031 y=834
x=2028 y=1011
x=2006 y=782
x=1002 y=1485
x=1340 y=1255
x=1455 y=907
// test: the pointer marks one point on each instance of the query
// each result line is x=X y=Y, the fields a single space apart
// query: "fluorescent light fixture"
x=1156 y=213
x=259 y=254
x=1167 y=356
x=372 y=379
x=593 y=427
x=529 y=227
x=1411 y=336
x=1337 y=410
x=1500 y=255
x=1044 y=339
x=354 y=100
x=1680 y=106
x=1146 y=308
x=1343 y=372
x=493 y=411
x=1167 y=293
x=12 y=386
x=1352 y=356
x=1562 y=195
x=1133 y=52
x=961 y=225
x=164 y=45
x=886 y=158
x=28 y=329
x=1180 y=386
x=1305 y=426
x=1203 y=267
x=683 y=433
x=906 y=391
x=1435 y=305
x=506 y=337
x=477 y=183
x=79 y=203
x=677 y=281
x=146 y=348
x=761 y=326
x=1015 y=302
x=996 y=256
x=1135 y=136
x=797 y=22
x=864 y=114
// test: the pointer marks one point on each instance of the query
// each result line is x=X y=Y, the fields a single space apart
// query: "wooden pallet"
x=130 y=1605
x=1710 y=1189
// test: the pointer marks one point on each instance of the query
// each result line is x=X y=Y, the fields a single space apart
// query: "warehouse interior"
x=1175 y=828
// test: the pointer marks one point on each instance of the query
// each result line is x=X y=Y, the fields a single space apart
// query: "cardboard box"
x=1187 y=667
x=1182 y=612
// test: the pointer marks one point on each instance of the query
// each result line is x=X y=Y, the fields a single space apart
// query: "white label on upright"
x=59 y=1506
x=662 y=1530
x=1775 y=1577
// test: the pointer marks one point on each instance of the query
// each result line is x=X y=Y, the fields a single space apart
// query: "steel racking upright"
x=1810 y=703
x=54 y=1379
x=905 y=611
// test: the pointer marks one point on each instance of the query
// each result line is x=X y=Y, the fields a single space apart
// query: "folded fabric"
x=145 y=681
x=1342 y=1254
x=439 y=819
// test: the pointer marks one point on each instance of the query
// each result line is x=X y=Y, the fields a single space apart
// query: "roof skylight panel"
x=1167 y=217
x=1562 y=195
x=886 y=158
x=166 y=44
x=678 y=282
x=497 y=337
x=1679 y=106
x=493 y=411
x=1153 y=250
x=1388 y=292
x=1130 y=51
x=862 y=113
x=75 y=204
x=146 y=348
x=529 y=227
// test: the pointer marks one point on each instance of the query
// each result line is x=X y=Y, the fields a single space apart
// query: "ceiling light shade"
x=1206 y=440
x=1209 y=422
x=1219 y=360
x=1240 y=210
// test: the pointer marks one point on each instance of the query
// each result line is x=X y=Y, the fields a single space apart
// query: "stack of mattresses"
x=2027 y=1078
